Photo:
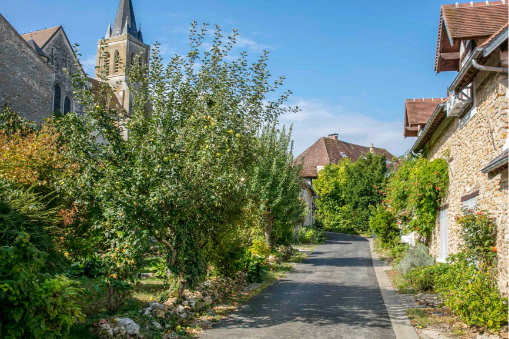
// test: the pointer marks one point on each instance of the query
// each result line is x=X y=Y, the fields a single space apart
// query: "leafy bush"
x=415 y=257
x=34 y=305
x=414 y=194
x=424 y=278
x=472 y=294
x=256 y=260
x=310 y=235
x=478 y=231
x=347 y=190
x=383 y=224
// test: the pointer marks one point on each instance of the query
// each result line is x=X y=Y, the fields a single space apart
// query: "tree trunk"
x=268 y=229
x=182 y=286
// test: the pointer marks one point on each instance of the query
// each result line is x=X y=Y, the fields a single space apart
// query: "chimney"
x=371 y=149
x=333 y=136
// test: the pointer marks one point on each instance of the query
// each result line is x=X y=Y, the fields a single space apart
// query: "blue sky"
x=350 y=64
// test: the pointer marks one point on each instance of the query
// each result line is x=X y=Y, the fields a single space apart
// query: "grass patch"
x=420 y=318
x=400 y=283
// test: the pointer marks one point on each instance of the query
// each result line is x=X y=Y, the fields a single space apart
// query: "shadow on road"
x=352 y=306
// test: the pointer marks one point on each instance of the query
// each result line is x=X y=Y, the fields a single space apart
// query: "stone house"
x=469 y=129
x=325 y=151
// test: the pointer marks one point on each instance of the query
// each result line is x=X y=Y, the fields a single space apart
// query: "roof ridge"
x=40 y=30
x=472 y=4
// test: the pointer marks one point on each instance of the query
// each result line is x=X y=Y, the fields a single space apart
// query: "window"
x=343 y=154
x=67 y=105
x=387 y=162
x=444 y=250
x=106 y=63
x=57 y=98
x=470 y=203
x=116 y=62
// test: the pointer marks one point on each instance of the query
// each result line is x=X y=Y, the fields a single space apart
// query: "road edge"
x=395 y=306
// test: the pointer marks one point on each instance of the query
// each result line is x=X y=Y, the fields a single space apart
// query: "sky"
x=350 y=64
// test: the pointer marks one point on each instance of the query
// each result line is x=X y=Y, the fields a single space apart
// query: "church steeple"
x=125 y=21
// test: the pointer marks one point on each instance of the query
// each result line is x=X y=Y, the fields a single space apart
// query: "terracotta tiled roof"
x=466 y=21
x=41 y=37
x=496 y=34
x=417 y=113
x=327 y=150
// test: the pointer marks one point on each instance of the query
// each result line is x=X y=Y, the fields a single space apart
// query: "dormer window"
x=343 y=154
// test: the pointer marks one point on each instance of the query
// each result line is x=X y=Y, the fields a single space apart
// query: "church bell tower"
x=115 y=53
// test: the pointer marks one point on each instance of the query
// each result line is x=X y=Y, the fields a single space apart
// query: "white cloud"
x=88 y=63
x=317 y=119
x=243 y=42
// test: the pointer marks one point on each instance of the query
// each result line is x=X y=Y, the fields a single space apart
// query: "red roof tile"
x=496 y=34
x=327 y=150
x=466 y=22
x=417 y=113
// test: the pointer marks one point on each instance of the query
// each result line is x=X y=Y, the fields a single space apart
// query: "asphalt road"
x=334 y=293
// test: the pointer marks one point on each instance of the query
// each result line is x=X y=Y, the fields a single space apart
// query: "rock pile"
x=427 y=299
x=172 y=311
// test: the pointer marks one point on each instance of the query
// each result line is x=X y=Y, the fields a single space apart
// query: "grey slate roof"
x=125 y=21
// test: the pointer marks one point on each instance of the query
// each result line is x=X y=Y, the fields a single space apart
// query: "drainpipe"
x=488 y=68
x=417 y=155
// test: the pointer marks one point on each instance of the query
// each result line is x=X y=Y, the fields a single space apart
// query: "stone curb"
x=401 y=325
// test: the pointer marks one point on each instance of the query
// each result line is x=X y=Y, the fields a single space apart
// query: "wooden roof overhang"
x=436 y=119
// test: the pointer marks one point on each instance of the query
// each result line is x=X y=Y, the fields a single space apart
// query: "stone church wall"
x=62 y=57
x=468 y=149
x=26 y=80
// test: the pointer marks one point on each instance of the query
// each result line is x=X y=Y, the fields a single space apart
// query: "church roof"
x=125 y=21
x=327 y=151
x=42 y=36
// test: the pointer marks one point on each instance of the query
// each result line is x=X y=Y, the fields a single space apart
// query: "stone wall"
x=469 y=147
x=26 y=80
x=63 y=60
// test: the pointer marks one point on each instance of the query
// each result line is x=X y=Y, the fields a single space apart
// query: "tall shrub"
x=178 y=177
x=34 y=304
x=347 y=190
x=274 y=184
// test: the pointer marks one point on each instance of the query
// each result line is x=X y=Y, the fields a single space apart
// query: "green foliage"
x=310 y=235
x=182 y=175
x=22 y=210
x=383 y=224
x=424 y=278
x=256 y=260
x=34 y=305
x=415 y=257
x=414 y=194
x=472 y=293
x=478 y=231
x=11 y=123
x=347 y=190
x=274 y=184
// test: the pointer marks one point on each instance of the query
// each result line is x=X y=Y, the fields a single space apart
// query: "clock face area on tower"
x=121 y=45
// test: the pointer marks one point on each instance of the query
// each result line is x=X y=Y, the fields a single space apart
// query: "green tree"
x=347 y=190
x=274 y=184
x=177 y=178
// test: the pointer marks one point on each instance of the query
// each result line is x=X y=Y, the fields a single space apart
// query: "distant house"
x=470 y=128
x=325 y=151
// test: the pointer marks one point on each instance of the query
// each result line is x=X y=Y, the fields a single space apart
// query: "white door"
x=443 y=235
